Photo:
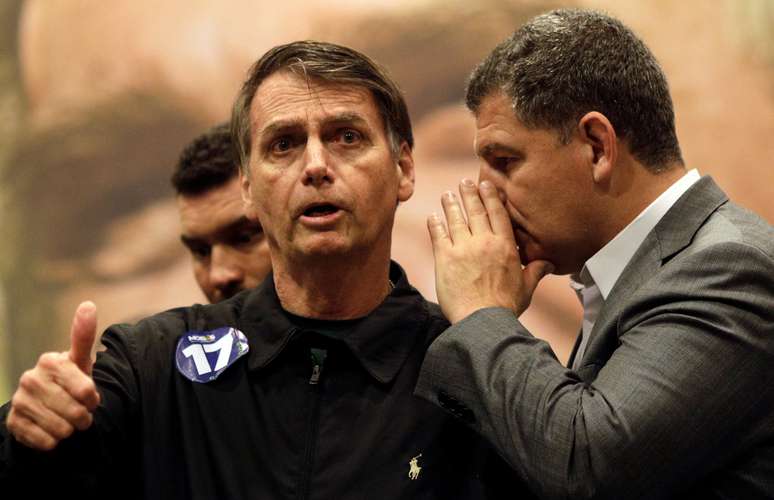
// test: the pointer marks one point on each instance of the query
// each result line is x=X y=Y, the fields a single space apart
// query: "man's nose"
x=317 y=166
x=225 y=273
x=484 y=174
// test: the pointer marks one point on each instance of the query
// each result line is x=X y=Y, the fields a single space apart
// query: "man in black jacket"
x=301 y=388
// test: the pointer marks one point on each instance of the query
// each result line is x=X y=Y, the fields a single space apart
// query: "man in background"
x=229 y=252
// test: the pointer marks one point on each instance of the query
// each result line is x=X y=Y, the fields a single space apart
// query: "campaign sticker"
x=203 y=356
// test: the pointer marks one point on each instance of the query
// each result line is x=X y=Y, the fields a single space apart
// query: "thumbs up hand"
x=58 y=395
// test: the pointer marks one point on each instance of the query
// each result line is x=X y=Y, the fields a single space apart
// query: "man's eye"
x=281 y=145
x=503 y=163
x=349 y=136
x=245 y=237
x=200 y=252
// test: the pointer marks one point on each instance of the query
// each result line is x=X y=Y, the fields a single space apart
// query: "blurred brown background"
x=97 y=99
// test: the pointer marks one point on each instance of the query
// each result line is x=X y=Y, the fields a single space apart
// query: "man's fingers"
x=79 y=386
x=477 y=215
x=437 y=229
x=455 y=218
x=34 y=413
x=58 y=395
x=69 y=409
x=28 y=433
x=82 y=335
x=64 y=389
x=499 y=220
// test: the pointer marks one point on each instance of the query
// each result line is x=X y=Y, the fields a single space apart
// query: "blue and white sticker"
x=203 y=356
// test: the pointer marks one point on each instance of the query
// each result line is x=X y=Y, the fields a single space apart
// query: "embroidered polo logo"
x=414 y=468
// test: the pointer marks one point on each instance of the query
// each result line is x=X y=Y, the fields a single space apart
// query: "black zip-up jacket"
x=278 y=423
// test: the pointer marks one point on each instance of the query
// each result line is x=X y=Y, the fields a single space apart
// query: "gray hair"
x=565 y=63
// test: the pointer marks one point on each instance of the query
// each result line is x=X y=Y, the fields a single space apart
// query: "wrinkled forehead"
x=285 y=96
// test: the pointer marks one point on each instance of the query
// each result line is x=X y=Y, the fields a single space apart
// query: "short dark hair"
x=567 y=62
x=207 y=162
x=330 y=63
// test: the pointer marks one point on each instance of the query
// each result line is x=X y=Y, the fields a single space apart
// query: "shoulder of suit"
x=735 y=225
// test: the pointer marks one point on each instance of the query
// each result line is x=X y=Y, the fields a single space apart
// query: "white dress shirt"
x=599 y=274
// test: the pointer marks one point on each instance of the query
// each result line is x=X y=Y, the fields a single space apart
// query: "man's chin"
x=325 y=248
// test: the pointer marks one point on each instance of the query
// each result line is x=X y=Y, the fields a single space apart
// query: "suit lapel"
x=673 y=233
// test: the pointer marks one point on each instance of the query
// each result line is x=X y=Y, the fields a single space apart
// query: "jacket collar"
x=674 y=232
x=604 y=268
x=678 y=227
x=381 y=341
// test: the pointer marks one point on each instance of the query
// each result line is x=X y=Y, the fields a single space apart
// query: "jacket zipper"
x=315 y=390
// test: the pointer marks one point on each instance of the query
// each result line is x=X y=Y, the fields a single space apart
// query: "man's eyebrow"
x=237 y=224
x=190 y=242
x=492 y=147
x=345 y=118
x=281 y=126
x=286 y=125
x=240 y=223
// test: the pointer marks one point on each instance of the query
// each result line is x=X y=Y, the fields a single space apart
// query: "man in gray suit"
x=670 y=390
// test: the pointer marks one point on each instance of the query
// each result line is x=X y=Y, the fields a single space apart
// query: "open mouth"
x=321 y=210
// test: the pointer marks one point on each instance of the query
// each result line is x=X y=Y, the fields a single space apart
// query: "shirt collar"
x=605 y=267
x=381 y=341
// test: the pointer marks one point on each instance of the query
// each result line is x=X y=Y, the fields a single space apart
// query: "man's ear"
x=599 y=136
x=405 y=167
x=247 y=195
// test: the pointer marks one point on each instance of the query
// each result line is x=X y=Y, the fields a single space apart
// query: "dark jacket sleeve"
x=88 y=461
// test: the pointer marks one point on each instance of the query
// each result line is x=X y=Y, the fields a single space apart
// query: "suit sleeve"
x=83 y=463
x=688 y=388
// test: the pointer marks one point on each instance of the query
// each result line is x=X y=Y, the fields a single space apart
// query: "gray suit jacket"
x=674 y=397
